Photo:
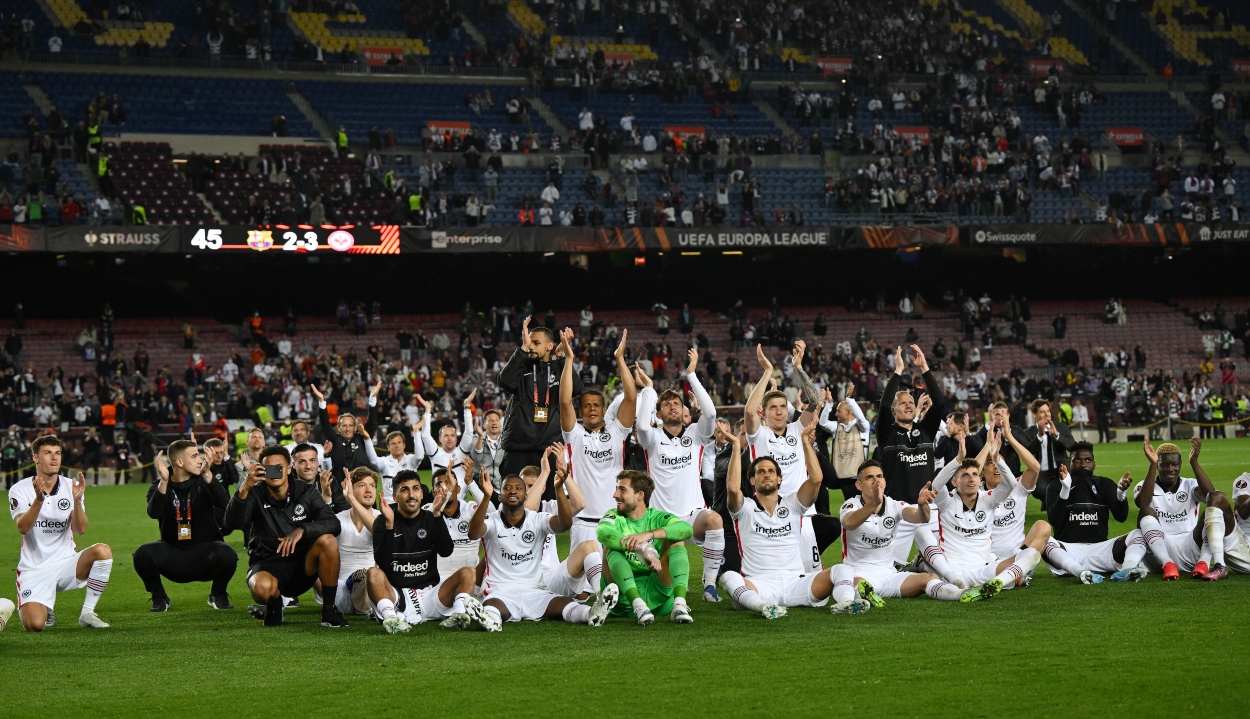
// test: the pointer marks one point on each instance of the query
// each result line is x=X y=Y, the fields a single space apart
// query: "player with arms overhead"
x=596 y=449
x=47 y=507
x=674 y=456
x=645 y=553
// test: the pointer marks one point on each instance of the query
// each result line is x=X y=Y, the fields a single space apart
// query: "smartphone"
x=273 y=471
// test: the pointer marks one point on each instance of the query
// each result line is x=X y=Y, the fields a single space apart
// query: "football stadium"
x=750 y=358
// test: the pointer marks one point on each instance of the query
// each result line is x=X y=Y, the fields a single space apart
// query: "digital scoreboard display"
x=347 y=239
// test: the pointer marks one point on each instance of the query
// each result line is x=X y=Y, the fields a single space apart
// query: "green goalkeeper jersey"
x=614 y=527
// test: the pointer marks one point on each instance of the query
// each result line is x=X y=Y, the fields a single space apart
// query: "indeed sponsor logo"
x=875 y=542
x=410 y=568
x=1005 y=521
x=675 y=461
x=517 y=558
x=773 y=531
x=971 y=531
x=1173 y=516
x=598 y=456
x=51 y=524
x=1083 y=517
x=914 y=459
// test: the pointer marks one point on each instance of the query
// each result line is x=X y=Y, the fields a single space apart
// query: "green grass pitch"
x=1054 y=649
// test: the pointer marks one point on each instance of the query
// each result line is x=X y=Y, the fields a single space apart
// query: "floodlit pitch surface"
x=1054 y=649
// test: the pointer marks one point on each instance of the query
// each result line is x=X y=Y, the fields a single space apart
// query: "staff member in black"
x=224 y=472
x=183 y=501
x=347 y=436
x=1049 y=442
x=531 y=378
x=290 y=538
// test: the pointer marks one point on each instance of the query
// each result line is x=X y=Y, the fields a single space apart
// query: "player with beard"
x=514 y=536
x=905 y=445
x=1168 y=519
x=305 y=467
x=596 y=449
x=291 y=538
x=397 y=459
x=1079 y=507
x=673 y=452
x=771 y=433
x=347 y=437
x=405 y=587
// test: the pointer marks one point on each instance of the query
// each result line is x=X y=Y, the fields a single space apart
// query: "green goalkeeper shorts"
x=657 y=595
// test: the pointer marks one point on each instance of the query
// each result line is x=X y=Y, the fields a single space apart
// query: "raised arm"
x=564 y=511
x=919 y=513
x=359 y=510
x=809 y=490
x=568 y=415
x=426 y=437
x=1204 y=482
x=646 y=409
x=466 y=439
x=1032 y=467
x=733 y=477
x=477 y=523
x=706 y=426
x=810 y=397
x=625 y=414
x=751 y=411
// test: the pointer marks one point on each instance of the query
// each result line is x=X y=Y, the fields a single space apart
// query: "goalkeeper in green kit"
x=644 y=554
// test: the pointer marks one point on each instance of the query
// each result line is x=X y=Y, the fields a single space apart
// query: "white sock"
x=713 y=555
x=640 y=607
x=494 y=612
x=742 y=595
x=1214 y=531
x=934 y=556
x=943 y=590
x=1134 y=550
x=457 y=604
x=575 y=613
x=843 y=583
x=477 y=591
x=592 y=566
x=1024 y=562
x=1156 y=542
x=386 y=608
x=97 y=582
x=1057 y=556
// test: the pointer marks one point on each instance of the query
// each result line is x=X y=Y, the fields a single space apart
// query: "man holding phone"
x=291 y=535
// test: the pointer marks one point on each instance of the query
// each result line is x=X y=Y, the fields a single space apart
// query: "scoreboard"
x=280 y=239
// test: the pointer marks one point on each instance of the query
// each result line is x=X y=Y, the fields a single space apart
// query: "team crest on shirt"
x=1241 y=484
x=463 y=527
x=1009 y=504
x=299 y=511
x=1182 y=497
x=782 y=513
x=527 y=536
x=686 y=441
x=604 y=436
x=12 y=503
x=791 y=440
x=62 y=504
x=888 y=522
x=981 y=516
x=848 y=505
x=26 y=594
x=420 y=534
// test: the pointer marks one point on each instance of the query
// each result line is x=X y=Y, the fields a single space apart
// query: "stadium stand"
x=144 y=174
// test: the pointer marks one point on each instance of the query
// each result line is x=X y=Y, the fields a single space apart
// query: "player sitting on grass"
x=867 y=575
x=49 y=509
x=1079 y=506
x=645 y=553
x=1168 y=519
x=768 y=528
x=966 y=518
x=356 y=540
x=1237 y=544
x=455 y=514
x=584 y=563
x=513 y=584
x=404 y=587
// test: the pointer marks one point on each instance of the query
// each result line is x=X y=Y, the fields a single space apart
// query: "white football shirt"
x=786 y=449
x=1177 y=511
x=50 y=538
x=871 y=543
x=355 y=547
x=1008 y=532
x=595 y=458
x=514 y=554
x=1241 y=488
x=771 y=544
x=388 y=467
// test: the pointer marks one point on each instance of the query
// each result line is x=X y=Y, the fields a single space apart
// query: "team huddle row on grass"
x=462 y=556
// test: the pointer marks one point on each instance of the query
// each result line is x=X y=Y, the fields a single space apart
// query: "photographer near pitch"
x=531 y=423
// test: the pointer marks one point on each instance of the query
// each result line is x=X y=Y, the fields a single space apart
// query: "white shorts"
x=972 y=575
x=1237 y=551
x=583 y=532
x=462 y=555
x=353 y=599
x=689 y=519
x=1098 y=557
x=905 y=532
x=788 y=591
x=40 y=584
x=523 y=603
x=558 y=581
x=417 y=605
x=886 y=581
x=1183 y=550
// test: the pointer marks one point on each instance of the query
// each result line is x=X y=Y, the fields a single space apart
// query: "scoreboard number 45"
x=206 y=239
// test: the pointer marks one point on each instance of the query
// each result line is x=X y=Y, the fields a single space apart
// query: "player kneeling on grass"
x=867 y=576
x=966 y=517
x=47 y=508
x=355 y=540
x=514 y=536
x=775 y=573
x=645 y=556
x=1168 y=520
x=290 y=534
x=404 y=587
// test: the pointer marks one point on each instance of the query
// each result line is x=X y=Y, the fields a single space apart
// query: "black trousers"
x=514 y=461
x=206 y=562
